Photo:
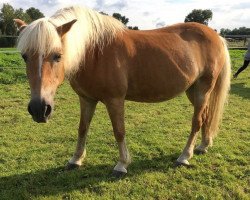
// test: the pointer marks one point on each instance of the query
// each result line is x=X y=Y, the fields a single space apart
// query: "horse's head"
x=41 y=46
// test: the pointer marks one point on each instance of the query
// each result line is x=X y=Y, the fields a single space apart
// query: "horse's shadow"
x=240 y=90
x=57 y=181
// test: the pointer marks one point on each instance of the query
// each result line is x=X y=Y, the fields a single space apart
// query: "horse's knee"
x=197 y=123
x=199 y=119
x=83 y=128
x=119 y=136
x=205 y=115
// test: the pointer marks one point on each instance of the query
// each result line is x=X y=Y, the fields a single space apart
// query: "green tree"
x=20 y=14
x=7 y=27
x=225 y=31
x=7 y=14
x=236 y=31
x=103 y=13
x=6 y=19
x=121 y=18
x=200 y=16
x=34 y=13
x=133 y=27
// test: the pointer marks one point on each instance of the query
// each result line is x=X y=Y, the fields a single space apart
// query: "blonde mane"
x=91 y=29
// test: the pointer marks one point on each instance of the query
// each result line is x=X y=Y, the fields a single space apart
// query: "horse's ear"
x=65 y=27
x=20 y=24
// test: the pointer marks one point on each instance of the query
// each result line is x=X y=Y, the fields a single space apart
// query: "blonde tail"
x=219 y=96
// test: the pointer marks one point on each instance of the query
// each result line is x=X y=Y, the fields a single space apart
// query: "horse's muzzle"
x=40 y=110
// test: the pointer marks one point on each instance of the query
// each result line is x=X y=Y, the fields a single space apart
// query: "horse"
x=106 y=62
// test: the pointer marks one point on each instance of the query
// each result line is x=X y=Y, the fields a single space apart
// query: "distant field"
x=239 y=43
x=32 y=156
x=8 y=49
x=11 y=67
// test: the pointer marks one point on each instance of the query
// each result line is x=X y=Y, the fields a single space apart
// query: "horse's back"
x=150 y=66
x=163 y=63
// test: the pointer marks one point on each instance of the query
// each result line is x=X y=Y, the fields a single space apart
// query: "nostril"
x=48 y=110
x=29 y=110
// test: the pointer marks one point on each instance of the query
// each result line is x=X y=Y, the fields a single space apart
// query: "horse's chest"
x=81 y=88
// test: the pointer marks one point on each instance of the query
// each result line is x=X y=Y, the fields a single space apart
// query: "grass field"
x=32 y=156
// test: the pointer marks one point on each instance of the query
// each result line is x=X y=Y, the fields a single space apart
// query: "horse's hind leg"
x=87 y=111
x=201 y=92
x=206 y=139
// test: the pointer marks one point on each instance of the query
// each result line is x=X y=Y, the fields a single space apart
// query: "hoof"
x=117 y=174
x=180 y=164
x=71 y=166
x=200 y=151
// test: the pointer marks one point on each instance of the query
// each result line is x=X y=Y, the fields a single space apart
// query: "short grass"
x=32 y=156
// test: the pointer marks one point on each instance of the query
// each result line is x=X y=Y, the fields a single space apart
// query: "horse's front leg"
x=115 y=109
x=87 y=111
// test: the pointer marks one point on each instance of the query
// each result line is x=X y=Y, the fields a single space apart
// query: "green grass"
x=11 y=68
x=8 y=49
x=32 y=156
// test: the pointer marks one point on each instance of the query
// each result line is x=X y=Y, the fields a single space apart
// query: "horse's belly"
x=155 y=80
x=146 y=99
x=156 y=91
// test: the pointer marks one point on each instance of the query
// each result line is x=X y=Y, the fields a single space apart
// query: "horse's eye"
x=25 y=57
x=57 y=57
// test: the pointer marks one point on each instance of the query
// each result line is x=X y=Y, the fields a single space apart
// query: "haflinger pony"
x=104 y=61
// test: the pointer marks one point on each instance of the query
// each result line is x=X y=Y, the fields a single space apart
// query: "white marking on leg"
x=206 y=142
x=78 y=160
x=202 y=148
x=120 y=167
x=80 y=152
x=188 y=150
x=124 y=158
x=183 y=158
x=87 y=112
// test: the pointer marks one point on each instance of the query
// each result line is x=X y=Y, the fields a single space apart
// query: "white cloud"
x=160 y=24
x=149 y=14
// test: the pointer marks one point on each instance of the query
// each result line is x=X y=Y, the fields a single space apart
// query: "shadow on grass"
x=240 y=90
x=57 y=181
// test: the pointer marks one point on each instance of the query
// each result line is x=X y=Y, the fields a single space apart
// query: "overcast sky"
x=150 y=14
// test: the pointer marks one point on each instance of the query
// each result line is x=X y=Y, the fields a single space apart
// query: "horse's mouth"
x=40 y=119
x=40 y=111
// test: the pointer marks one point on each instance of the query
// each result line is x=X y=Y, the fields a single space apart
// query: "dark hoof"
x=118 y=174
x=179 y=164
x=70 y=166
x=199 y=152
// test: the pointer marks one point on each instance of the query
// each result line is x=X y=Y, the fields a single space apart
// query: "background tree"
x=200 y=16
x=6 y=19
x=124 y=20
x=8 y=13
x=34 y=13
x=20 y=14
x=7 y=27
x=225 y=31
x=121 y=18
x=237 y=31
x=133 y=27
x=103 y=13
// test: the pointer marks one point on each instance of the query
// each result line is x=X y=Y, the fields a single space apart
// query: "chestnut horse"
x=104 y=61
